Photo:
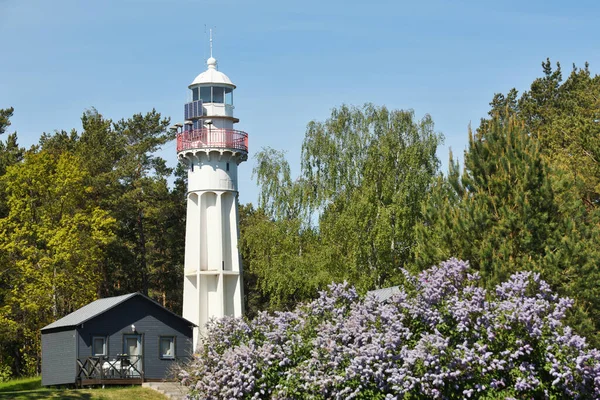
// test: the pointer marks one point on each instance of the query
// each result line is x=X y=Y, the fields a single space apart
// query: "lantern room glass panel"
x=218 y=94
x=205 y=95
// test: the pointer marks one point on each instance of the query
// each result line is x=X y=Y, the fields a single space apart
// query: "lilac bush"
x=441 y=337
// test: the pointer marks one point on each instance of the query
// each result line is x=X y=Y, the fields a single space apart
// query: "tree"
x=506 y=209
x=142 y=176
x=254 y=299
x=504 y=215
x=10 y=153
x=54 y=238
x=565 y=119
x=281 y=261
x=279 y=196
x=364 y=174
x=127 y=179
x=371 y=218
x=84 y=216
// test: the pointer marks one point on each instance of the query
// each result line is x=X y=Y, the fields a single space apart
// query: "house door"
x=132 y=347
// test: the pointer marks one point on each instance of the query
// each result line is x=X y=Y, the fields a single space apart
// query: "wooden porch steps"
x=173 y=390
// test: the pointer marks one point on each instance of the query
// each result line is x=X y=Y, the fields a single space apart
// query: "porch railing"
x=101 y=368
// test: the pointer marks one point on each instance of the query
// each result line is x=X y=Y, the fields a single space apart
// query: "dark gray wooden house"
x=126 y=339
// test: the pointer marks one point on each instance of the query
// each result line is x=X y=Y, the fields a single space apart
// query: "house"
x=125 y=339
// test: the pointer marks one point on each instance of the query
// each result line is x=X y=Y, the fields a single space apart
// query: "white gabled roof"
x=212 y=75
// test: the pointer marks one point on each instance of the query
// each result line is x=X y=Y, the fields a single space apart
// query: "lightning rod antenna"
x=211 y=42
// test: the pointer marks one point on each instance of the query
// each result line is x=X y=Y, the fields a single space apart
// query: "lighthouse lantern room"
x=211 y=150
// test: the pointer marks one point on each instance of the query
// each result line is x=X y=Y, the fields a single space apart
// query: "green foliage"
x=10 y=153
x=504 y=214
x=364 y=174
x=371 y=218
x=5 y=114
x=279 y=197
x=54 y=239
x=564 y=117
x=500 y=212
x=82 y=216
x=280 y=260
x=142 y=178
x=5 y=372
x=528 y=196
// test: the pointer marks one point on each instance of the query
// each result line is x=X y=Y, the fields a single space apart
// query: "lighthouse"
x=211 y=150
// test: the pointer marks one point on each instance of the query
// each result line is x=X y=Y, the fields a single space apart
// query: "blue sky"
x=291 y=61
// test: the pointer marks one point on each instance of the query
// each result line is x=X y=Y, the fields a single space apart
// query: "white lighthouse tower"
x=211 y=150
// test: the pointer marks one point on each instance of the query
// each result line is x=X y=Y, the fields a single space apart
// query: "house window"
x=99 y=346
x=167 y=347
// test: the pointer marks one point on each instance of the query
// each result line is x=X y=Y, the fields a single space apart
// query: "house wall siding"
x=151 y=321
x=60 y=352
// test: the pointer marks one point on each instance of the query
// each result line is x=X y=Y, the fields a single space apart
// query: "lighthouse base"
x=211 y=294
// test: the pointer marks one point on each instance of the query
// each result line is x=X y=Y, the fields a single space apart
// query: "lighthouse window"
x=229 y=96
x=218 y=95
x=194 y=94
x=227 y=166
x=205 y=95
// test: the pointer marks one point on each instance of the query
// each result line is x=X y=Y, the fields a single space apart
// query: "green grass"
x=31 y=388
x=15 y=385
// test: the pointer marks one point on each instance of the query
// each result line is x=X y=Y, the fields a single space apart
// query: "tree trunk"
x=142 y=252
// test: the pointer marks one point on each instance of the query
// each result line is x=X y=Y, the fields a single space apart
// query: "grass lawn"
x=31 y=388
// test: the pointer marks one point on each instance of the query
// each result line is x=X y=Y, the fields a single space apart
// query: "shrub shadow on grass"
x=18 y=385
x=45 y=394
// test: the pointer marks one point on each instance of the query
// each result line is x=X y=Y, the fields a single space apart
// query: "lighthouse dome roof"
x=212 y=75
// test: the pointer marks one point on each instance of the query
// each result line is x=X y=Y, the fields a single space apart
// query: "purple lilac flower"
x=443 y=336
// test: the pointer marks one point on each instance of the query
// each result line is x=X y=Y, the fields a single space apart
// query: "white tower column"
x=211 y=150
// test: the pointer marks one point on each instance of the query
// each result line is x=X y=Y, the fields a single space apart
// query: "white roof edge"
x=193 y=84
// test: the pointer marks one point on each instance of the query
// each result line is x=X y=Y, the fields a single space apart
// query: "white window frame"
x=161 y=355
x=103 y=338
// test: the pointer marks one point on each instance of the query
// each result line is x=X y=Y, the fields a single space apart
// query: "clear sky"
x=292 y=61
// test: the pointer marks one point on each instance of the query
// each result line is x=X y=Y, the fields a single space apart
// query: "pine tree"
x=564 y=117
x=504 y=214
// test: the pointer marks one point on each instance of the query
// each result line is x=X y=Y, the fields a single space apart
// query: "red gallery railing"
x=212 y=138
